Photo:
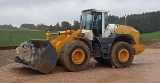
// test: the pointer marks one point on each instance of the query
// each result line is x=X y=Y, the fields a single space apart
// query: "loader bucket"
x=37 y=54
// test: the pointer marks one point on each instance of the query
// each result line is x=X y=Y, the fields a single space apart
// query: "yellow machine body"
x=122 y=29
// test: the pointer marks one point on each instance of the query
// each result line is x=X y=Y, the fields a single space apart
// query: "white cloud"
x=16 y=12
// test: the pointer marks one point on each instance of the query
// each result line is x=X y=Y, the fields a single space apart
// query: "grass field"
x=150 y=36
x=18 y=36
x=15 y=29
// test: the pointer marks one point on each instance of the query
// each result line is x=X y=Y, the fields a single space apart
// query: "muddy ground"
x=144 y=69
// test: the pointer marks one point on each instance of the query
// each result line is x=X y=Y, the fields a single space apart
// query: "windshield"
x=86 y=20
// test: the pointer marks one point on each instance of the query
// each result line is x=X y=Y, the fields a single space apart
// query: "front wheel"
x=122 y=55
x=75 y=55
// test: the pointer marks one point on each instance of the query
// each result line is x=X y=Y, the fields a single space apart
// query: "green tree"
x=76 y=25
x=42 y=27
x=7 y=26
x=57 y=26
x=29 y=26
x=65 y=25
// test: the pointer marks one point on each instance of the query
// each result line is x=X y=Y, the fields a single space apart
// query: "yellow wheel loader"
x=111 y=44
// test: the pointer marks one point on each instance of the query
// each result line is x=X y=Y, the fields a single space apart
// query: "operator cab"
x=94 y=21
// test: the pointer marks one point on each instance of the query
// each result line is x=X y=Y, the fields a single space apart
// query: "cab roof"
x=94 y=10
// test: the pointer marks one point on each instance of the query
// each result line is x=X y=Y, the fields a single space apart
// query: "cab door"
x=97 y=25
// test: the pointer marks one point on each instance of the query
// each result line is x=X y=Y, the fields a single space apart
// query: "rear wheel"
x=75 y=56
x=122 y=55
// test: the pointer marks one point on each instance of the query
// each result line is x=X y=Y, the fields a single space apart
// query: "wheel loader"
x=111 y=44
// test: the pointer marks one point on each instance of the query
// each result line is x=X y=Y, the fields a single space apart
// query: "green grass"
x=150 y=36
x=19 y=35
x=15 y=29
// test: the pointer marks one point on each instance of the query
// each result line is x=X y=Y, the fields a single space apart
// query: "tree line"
x=59 y=26
x=7 y=26
x=145 y=23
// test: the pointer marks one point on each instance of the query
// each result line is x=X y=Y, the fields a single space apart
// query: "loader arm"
x=63 y=38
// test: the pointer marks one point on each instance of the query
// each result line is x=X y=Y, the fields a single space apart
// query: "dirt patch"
x=6 y=56
x=144 y=69
x=154 y=44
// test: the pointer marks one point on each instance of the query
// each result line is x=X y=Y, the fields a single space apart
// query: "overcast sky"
x=48 y=12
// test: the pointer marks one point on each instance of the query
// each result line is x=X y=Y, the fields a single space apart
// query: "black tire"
x=128 y=55
x=66 y=55
x=103 y=61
